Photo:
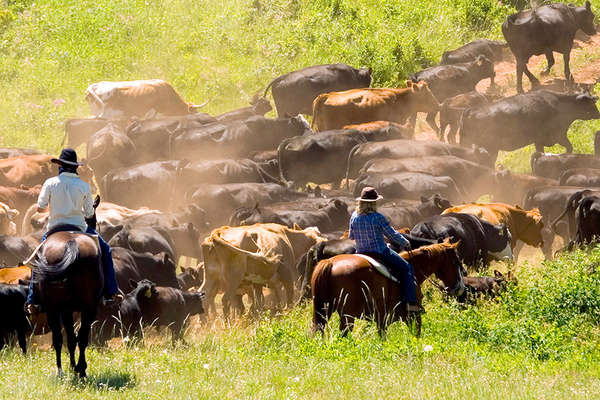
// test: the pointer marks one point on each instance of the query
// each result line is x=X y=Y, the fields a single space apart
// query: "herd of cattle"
x=260 y=201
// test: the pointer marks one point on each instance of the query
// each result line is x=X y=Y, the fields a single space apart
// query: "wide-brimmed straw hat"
x=67 y=157
x=369 y=194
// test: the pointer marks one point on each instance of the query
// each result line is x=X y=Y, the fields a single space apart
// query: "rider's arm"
x=43 y=198
x=392 y=235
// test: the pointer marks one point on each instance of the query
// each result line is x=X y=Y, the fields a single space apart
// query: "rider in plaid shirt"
x=368 y=228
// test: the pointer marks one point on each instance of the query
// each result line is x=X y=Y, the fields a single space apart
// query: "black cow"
x=219 y=201
x=480 y=241
x=451 y=111
x=294 y=92
x=492 y=49
x=176 y=241
x=236 y=139
x=446 y=81
x=402 y=216
x=148 y=304
x=585 y=177
x=332 y=216
x=129 y=264
x=541 y=117
x=510 y=187
x=79 y=130
x=109 y=148
x=543 y=30
x=321 y=158
x=408 y=185
x=403 y=148
x=152 y=137
x=551 y=201
x=169 y=180
x=258 y=106
x=14 y=319
x=570 y=209
x=471 y=178
x=588 y=220
x=553 y=165
x=191 y=277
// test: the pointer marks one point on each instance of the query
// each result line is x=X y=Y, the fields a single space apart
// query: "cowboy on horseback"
x=368 y=229
x=70 y=202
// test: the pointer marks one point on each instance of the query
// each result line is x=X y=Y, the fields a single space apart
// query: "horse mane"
x=51 y=272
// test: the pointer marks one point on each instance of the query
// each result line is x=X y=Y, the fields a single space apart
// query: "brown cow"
x=12 y=275
x=120 y=100
x=20 y=199
x=395 y=130
x=7 y=223
x=337 y=109
x=524 y=225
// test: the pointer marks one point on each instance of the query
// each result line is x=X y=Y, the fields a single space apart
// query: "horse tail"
x=322 y=304
x=52 y=272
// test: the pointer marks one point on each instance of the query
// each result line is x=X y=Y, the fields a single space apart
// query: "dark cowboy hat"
x=369 y=194
x=67 y=157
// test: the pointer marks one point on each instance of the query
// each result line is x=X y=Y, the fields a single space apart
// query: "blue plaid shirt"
x=368 y=231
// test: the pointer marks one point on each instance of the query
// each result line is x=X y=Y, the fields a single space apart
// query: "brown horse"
x=68 y=272
x=349 y=285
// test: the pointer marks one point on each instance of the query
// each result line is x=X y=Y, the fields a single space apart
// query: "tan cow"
x=7 y=217
x=337 y=109
x=121 y=100
x=12 y=275
x=524 y=225
x=236 y=258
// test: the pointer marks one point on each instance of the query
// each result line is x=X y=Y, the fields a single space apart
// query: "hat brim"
x=64 y=162
x=379 y=197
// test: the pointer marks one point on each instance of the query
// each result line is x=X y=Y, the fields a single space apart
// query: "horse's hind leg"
x=67 y=318
x=57 y=339
x=83 y=338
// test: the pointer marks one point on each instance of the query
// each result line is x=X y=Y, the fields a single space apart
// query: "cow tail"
x=104 y=185
x=269 y=86
x=349 y=164
x=533 y=160
x=322 y=303
x=318 y=104
x=461 y=124
x=572 y=204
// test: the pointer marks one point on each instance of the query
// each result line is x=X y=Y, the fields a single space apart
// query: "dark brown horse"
x=68 y=272
x=349 y=285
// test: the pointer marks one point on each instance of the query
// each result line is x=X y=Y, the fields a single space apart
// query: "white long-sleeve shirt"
x=69 y=198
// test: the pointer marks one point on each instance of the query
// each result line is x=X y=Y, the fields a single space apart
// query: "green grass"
x=539 y=340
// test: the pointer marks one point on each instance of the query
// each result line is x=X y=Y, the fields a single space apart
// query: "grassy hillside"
x=221 y=51
x=537 y=341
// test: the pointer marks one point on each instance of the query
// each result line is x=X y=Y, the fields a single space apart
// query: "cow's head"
x=261 y=105
x=425 y=100
x=436 y=202
x=584 y=18
x=142 y=290
x=484 y=66
x=584 y=106
x=364 y=76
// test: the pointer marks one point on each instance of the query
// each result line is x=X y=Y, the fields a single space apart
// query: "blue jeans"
x=110 y=281
x=402 y=270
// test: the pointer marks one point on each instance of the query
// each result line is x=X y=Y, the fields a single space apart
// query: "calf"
x=588 y=220
x=148 y=304
x=191 y=277
x=550 y=165
x=543 y=30
x=14 y=319
x=489 y=286
x=294 y=92
x=446 y=81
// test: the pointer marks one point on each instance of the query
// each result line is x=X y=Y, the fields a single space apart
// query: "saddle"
x=378 y=265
